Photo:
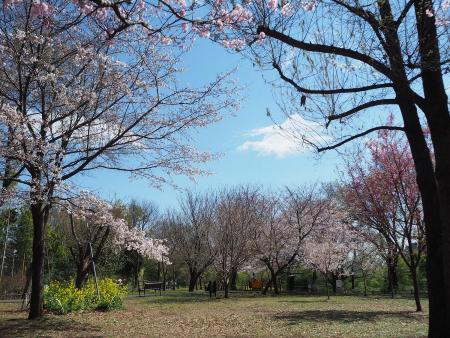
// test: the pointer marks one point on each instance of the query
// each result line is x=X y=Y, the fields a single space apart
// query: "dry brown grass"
x=182 y=315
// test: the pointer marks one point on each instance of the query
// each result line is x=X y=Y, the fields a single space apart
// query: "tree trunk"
x=276 y=288
x=267 y=286
x=435 y=207
x=164 y=271
x=416 y=289
x=233 y=280
x=392 y=280
x=38 y=213
x=82 y=274
x=273 y=280
x=430 y=202
x=26 y=288
x=225 y=288
x=438 y=118
x=5 y=242
x=365 y=285
x=136 y=271
x=173 y=277
x=333 y=282
x=192 y=279
x=353 y=280
x=313 y=280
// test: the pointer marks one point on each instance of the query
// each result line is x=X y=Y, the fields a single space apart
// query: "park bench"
x=146 y=285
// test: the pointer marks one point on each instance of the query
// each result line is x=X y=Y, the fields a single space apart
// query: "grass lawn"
x=178 y=314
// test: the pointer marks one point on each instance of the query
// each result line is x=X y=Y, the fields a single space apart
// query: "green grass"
x=178 y=314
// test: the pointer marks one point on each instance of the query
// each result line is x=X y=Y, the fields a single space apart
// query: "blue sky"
x=252 y=151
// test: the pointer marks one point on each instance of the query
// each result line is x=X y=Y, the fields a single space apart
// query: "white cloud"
x=291 y=137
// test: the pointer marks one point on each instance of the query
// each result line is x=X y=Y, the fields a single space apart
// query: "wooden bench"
x=146 y=285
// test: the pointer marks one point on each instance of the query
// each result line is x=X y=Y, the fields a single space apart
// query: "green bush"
x=62 y=298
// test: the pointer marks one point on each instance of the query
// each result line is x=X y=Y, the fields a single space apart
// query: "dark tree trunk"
x=392 y=280
x=272 y=282
x=365 y=285
x=430 y=201
x=159 y=271
x=353 y=280
x=164 y=270
x=233 y=280
x=136 y=271
x=313 y=279
x=436 y=111
x=267 y=286
x=26 y=288
x=192 y=279
x=333 y=282
x=276 y=288
x=438 y=118
x=38 y=212
x=226 y=286
x=82 y=274
x=173 y=277
x=416 y=289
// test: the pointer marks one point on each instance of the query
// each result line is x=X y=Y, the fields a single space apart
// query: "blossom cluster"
x=90 y=104
x=89 y=208
x=331 y=245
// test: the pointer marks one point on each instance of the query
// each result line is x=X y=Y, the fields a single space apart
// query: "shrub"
x=62 y=298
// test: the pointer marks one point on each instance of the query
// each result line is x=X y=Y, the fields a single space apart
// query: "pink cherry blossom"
x=272 y=4
x=89 y=208
x=40 y=9
x=287 y=10
x=185 y=27
x=261 y=36
x=308 y=5
x=9 y=3
x=233 y=43
x=445 y=5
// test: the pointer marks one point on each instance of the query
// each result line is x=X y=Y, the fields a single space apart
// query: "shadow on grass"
x=303 y=301
x=323 y=298
x=196 y=297
x=21 y=327
x=343 y=316
x=179 y=298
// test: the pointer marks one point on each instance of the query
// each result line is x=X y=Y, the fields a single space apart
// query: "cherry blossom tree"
x=385 y=249
x=382 y=194
x=84 y=90
x=92 y=222
x=234 y=230
x=276 y=244
x=143 y=216
x=189 y=233
x=365 y=259
x=338 y=61
x=285 y=222
x=330 y=248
